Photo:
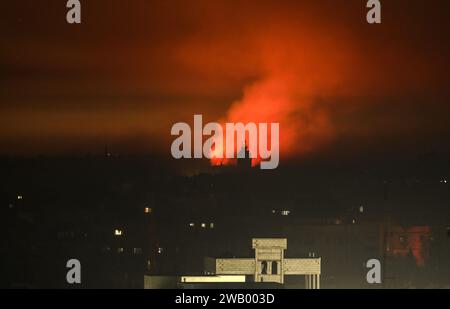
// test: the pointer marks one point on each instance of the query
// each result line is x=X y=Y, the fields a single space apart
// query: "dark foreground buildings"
x=127 y=217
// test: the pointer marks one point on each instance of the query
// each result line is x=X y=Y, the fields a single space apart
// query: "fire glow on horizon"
x=227 y=142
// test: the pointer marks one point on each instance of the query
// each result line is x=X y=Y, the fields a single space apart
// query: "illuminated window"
x=361 y=209
x=147 y=210
x=203 y=225
x=211 y=225
x=191 y=224
x=20 y=197
x=137 y=250
x=120 y=250
x=160 y=250
x=118 y=232
x=285 y=212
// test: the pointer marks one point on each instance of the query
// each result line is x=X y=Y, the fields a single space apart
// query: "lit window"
x=274 y=211
x=147 y=210
x=203 y=225
x=361 y=209
x=160 y=250
x=120 y=250
x=20 y=197
x=285 y=212
x=191 y=224
x=137 y=250
x=354 y=221
x=118 y=232
x=211 y=225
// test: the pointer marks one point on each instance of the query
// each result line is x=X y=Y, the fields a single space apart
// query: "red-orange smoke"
x=295 y=76
x=294 y=65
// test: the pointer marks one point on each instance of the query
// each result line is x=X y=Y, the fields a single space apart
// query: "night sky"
x=133 y=68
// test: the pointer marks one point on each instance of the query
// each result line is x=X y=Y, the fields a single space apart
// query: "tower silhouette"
x=243 y=158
